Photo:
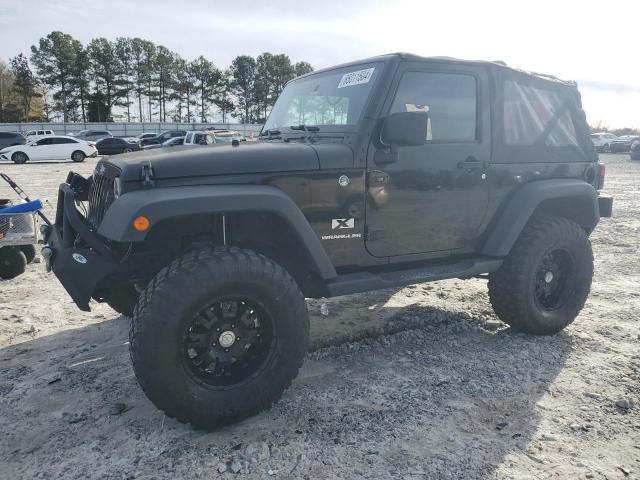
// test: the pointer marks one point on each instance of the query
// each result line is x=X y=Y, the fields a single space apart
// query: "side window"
x=536 y=116
x=40 y=132
x=62 y=140
x=32 y=132
x=44 y=141
x=449 y=99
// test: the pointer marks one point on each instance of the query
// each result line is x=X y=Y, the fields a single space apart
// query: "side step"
x=365 y=281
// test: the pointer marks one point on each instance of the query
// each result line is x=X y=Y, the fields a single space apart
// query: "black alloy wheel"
x=228 y=341
x=555 y=279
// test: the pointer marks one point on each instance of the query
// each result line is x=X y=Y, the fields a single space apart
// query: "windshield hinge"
x=147 y=176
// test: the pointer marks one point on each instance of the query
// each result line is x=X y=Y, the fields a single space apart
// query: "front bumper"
x=79 y=269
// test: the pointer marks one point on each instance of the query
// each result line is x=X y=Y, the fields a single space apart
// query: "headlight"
x=117 y=187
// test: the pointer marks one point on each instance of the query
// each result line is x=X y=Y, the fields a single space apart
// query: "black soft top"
x=535 y=117
x=499 y=67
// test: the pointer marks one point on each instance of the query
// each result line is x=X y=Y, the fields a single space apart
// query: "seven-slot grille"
x=101 y=193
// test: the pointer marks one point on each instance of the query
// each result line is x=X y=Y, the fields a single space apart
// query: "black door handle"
x=471 y=163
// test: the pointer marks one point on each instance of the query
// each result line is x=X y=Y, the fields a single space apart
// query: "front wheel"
x=19 y=158
x=78 y=156
x=545 y=280
x=218 y=335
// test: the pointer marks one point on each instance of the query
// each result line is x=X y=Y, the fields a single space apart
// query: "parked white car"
x=603 y=140
x=33 y=135
x=51 y=147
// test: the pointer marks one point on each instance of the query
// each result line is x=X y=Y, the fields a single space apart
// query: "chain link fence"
x=123 y=129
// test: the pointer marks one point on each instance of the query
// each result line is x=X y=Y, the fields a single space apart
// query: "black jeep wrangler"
x=380 y=173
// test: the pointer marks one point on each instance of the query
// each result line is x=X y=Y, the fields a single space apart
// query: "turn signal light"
x=141 y=223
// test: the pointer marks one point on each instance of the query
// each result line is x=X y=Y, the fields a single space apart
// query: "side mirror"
x=405 y=129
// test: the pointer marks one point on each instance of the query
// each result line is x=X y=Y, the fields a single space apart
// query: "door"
x=61 y=148
x=107 y=146
x=432 y=197
x=42 y=150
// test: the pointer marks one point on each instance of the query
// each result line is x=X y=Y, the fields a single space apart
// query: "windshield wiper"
x=306 y=128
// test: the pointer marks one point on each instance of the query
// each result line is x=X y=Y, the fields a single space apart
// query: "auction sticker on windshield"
x=356 y=78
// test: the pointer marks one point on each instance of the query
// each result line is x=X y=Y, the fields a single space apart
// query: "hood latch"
x=146 y=176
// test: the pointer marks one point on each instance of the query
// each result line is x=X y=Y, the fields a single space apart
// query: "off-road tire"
x=166 y=307
x=19 y=158
x=78 y=156
x=29 y=252
x=12 y=262
x=512 y=287
x=123 y=298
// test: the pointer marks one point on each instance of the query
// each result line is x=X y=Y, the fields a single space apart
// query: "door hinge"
x=371 y=233
x=376 y=178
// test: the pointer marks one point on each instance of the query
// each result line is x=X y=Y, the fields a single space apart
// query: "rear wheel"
x=12 y=262
x=544 y=282
x=78 y=156
x=218 y=335
x=127 y=150
x=19 y=157
x=606 y=148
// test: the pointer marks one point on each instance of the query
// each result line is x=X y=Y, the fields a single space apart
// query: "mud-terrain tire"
x=12 y=262
x=545 y=280
x=29 y=252
x=123 y=299
x=189 y=311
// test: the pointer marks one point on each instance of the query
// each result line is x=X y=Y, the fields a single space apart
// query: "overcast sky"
x=595 y=44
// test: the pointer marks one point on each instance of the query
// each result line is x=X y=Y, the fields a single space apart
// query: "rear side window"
x=536 y=116
x=449 y=99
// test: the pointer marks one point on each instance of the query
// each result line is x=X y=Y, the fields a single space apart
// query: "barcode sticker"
x=356 y=78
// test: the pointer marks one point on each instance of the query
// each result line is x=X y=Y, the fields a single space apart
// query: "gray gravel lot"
x=419 y=382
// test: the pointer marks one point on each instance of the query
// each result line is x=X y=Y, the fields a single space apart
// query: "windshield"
x=336 y=97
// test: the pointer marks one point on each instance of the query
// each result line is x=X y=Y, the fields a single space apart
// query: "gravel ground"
x=419 y=382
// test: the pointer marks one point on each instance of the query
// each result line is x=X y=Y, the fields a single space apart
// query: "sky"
x=594 y=44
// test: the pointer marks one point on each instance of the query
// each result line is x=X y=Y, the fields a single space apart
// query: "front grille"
x=100 y=195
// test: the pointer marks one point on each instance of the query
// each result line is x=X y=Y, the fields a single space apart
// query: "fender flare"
x=173 y=202
x=521 y=205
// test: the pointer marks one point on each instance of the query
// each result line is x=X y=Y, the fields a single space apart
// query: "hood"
x=195 y=161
